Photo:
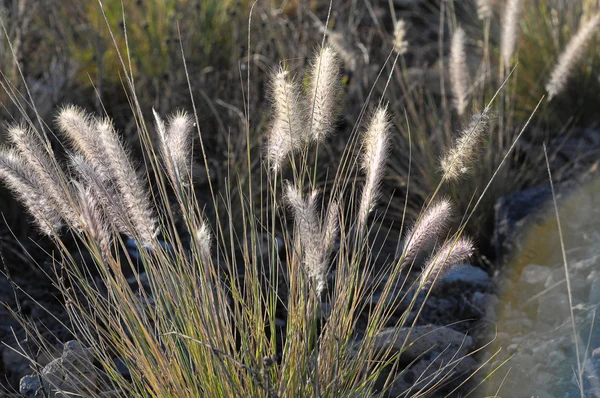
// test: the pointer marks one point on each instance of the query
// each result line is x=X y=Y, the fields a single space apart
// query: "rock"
x=553 y=310
x=422 y=339
x=30 y=387
x=536 y=276
x=465 y=274
x=72 y=372
x=427 y=372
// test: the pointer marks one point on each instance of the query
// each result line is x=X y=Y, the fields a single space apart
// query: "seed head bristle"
x=332 y=227
x=93 y=221
x=288 y=127
x=569 y=57
x=175 y=143
x=375 y=147
x=204 y=242
x=452 y=253
x=459 y=159
x=424 y=234
x=510 y=30
x=400 y=42
x=19 y=177
x=37 y=154
x=324 y=87
x=458 y=71
x=104 y=192
x=79 y=129
x=484 y=9
x=128 y=184
x=314 y=256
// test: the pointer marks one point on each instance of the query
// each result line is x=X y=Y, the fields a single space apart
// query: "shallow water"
x=538 y=326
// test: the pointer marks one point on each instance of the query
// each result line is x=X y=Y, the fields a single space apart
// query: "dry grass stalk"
x=458 y=71
x=569 y=57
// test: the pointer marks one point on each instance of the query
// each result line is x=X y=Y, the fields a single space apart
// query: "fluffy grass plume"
x=458 y=71
x=427 y=230
x=289 y=122
x=37 y=154
x=510 y=30
x=309 y=235
x=375 y=146
x=569 y=57
x=19 y=177
x=484 y=9
x=324 y=78
x=400 y=42
x=452 y=253
x=175 y=142
x=78 y=128
x=130 y=186
x=459 y=159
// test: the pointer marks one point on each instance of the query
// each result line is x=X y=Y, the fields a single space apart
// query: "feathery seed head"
x=92 y=220
x=332 y=227
x=22 y=180
x=204 y=242
x=432 y=226
x=569 y=57
x=36 y=152
x=484 y=9
x=128 y=183
x=288 y=127
x=510 y=30
x=324 y=87
x=458 y=71
x=452 y=253
x=459 y=159
x=400 y=43
x=314 y=255
x=375 y=146
x=175 y=142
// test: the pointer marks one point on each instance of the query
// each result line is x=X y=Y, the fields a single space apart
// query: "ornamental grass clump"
x=207 y=312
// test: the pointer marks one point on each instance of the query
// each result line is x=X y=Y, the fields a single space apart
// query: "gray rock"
x=73 y=372
x=421 y=339
x=466 y=274
x=536 y=275
x=553 y=310
x=427 y=372
x=30 y=387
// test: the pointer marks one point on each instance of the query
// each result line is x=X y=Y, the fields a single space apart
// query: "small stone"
x=29 y=387
x=553 y=310
x=72 y=372
x=422 y=339
x=536 y=275
x=466 y=274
